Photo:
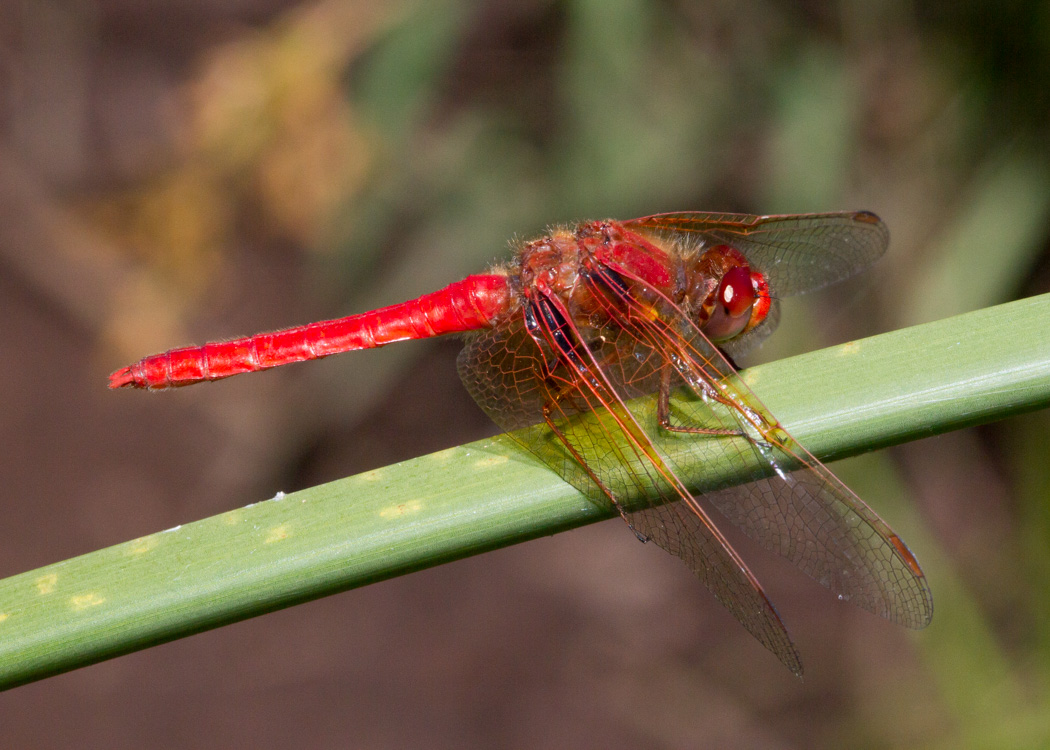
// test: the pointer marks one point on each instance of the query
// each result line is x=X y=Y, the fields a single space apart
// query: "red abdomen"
x=475 y=302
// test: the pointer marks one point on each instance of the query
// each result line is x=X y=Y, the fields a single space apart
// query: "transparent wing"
x=798 y=253
x=802 y=511
x=579 y=379
x=601 y=447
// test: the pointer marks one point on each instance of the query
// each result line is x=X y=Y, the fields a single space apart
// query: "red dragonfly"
x=590 y=317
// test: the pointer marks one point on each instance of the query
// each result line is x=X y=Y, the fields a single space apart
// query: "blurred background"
x=181 y=171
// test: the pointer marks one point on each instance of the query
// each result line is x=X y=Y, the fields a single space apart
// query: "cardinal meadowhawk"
x=590 y=317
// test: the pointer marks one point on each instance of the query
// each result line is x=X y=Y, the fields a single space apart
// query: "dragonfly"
x=589 y=318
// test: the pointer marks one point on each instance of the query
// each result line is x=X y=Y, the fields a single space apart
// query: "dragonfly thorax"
x=551 y=264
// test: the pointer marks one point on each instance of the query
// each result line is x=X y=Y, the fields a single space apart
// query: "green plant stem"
x=837 y=402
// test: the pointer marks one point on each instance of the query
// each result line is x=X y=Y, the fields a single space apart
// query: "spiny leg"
x=663 y=413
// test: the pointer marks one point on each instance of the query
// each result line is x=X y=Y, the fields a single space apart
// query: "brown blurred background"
x=180 y=171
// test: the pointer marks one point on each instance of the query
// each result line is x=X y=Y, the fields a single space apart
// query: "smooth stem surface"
x=837 y=402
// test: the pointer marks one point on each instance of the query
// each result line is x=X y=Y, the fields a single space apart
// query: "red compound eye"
x=736 y=293
x=733 y=302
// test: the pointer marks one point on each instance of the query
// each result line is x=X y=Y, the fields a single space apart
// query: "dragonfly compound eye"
x=734 y=299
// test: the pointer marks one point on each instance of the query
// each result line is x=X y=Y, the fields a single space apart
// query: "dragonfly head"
x=737 y=296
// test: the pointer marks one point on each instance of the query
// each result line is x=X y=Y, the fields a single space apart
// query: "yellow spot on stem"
x=142 y=546
x=401 y=509
x=83 y=601
x=277 y=533
x=3 y=616
x=850 y=347
x=46 y=584
x=232 y=518
x=489 y=461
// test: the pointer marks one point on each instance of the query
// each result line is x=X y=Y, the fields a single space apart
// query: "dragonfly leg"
x=663 y=413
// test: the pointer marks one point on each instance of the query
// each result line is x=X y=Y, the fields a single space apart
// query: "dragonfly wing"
x=500 y=368
x=812 y=519
x=605 y=450
x=624 y=462
x=798 y=253
x=683 y=529
x=802 y=511
x=807 y=515
x=580 y=381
